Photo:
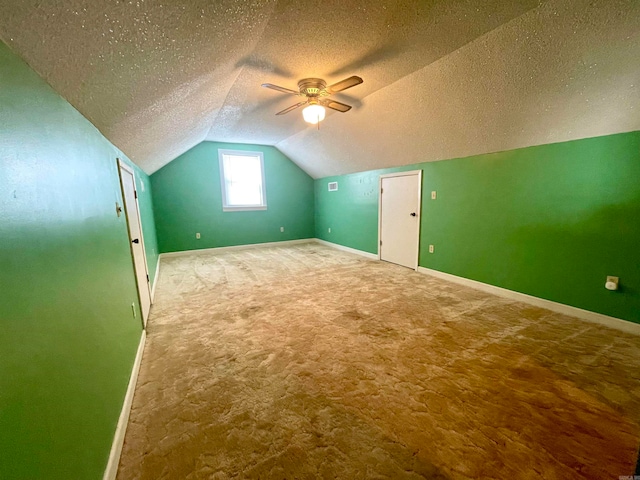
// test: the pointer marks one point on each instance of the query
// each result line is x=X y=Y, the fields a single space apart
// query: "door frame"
x=418 y=213
x=124 y=166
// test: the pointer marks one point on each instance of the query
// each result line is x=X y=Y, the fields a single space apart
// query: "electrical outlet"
x=433 y=195
x=198 y=235
x=430 y=248
x=282 y=229
x=329 y=229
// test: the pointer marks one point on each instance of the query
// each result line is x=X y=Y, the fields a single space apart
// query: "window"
x=242 y=178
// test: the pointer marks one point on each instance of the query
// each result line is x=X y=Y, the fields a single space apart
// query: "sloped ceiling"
x=443 y=79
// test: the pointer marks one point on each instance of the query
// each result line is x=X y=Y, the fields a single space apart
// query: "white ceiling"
x=442 y=78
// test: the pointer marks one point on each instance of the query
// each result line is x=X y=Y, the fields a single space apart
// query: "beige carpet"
x=305 y=362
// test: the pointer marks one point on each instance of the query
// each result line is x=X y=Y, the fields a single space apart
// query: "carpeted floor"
x=305 y=362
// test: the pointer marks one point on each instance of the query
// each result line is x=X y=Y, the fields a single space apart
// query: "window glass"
x=242 y=176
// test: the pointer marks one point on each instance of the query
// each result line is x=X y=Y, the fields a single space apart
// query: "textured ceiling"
x=442 y=78
x=564 y=71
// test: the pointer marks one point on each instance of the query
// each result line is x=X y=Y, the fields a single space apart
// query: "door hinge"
x=135 y=193
x=147 y=277
x=380 y=242
x=382 y=190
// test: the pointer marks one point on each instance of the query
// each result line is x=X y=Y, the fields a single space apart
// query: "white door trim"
x=127 y=168
x=419 y=212
x=155 y=280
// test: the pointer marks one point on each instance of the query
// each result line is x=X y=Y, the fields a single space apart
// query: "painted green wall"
x=551 y=221
x=188 y=199
x=68 y=338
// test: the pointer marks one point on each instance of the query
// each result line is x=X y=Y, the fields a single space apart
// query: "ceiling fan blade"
x=292 y=107
x=280 y=89
x=339 y=106
x=344 y=84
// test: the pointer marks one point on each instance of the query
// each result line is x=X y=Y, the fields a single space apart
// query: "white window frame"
x=240 y=208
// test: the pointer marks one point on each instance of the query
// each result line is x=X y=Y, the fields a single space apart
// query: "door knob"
x=413 y=214
x=135 y=240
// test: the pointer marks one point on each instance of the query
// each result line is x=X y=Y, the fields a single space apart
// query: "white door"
x=399 y=220
x=127 y=180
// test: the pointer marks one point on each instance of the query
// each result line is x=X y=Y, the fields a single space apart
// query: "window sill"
x=243 y=209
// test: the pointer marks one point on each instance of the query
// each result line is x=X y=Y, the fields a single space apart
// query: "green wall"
x=68 y=338
x=551 y=221
x=188 y=200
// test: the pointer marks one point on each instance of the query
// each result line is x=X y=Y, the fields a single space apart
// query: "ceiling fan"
x=315 y=90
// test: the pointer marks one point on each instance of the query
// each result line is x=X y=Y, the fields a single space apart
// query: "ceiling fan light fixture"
x=313 y=113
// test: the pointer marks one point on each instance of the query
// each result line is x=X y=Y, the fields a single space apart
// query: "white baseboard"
x=118 y=438
x=155 y=280
x=259 y=245
x=236 y=247
x=599 y=318
x=362 y=253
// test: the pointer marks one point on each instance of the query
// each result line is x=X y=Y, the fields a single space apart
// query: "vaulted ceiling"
x=442 y=78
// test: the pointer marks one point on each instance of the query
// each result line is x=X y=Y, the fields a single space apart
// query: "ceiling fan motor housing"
x=312 y=87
